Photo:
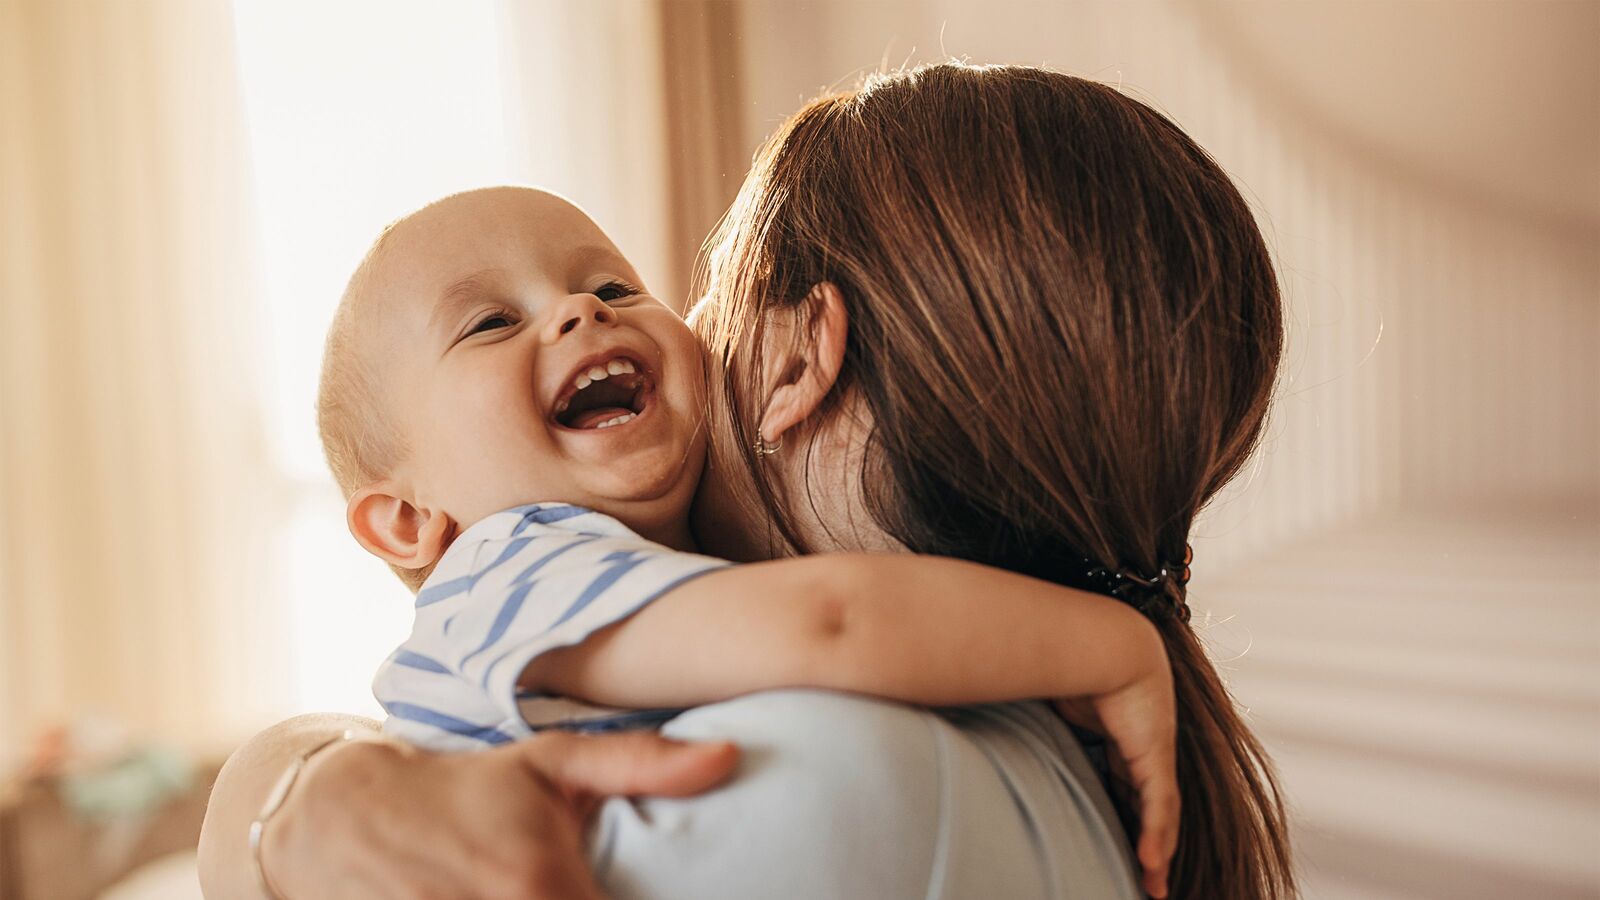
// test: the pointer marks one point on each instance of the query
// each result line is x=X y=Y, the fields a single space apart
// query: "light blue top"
x=841 y=796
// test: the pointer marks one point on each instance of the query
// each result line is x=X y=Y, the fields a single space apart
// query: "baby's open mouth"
x=604 y=395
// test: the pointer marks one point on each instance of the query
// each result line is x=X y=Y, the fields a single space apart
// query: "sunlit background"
x=1402 y=589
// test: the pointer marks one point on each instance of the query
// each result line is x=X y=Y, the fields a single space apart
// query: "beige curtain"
x=653 y=149
x=134 y=494
x=706 y=159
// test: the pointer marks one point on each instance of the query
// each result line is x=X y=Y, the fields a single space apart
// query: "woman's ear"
x=394 y=530
x=806 y=374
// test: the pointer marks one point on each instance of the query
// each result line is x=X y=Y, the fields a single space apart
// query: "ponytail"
x=1233 y=833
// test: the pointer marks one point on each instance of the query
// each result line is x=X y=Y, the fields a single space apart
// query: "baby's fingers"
x=1159 y=807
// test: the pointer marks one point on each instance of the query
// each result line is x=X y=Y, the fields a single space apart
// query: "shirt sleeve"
x=430 y=707
x=523 y=596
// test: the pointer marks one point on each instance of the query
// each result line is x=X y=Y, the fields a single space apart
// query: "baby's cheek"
x=489 y=426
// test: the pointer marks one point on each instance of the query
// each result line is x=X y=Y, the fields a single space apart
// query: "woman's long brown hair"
x=1066 y=326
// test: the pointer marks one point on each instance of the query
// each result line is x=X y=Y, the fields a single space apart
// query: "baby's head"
x=494 y=349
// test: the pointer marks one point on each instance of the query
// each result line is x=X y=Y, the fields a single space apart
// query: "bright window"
x=358 y=112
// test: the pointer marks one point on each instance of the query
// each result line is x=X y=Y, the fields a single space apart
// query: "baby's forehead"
x=474 y=230
x=461 y=235
x=489 y=220
x=476 y=241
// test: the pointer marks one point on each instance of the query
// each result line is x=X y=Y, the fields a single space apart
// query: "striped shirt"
x=512 y=586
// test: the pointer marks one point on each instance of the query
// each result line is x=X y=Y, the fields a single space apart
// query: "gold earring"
x=764 y=449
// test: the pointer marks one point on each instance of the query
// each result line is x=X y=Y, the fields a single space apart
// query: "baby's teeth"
x=618 y=367
x=627 y=367
x=596 y=373
x=582 y=381
x=619 y=420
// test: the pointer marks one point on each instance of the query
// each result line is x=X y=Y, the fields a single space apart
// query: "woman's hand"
x=378 y=819
x=1140 y=720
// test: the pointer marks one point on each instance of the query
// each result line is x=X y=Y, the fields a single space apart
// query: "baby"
x=512 y=416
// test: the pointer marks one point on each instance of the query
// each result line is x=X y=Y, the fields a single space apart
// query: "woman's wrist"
x=281 y=794
x=242 y=787
x=312 y=782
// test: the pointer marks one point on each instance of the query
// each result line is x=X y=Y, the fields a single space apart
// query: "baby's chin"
x=660 y=469
x=657 y=476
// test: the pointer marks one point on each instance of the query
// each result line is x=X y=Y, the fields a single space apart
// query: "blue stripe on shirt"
x=486 y=733
x=434 y=593
x=411 y=660
x=454 y=586
x=548 y=514
x=622 y=562
x=502 y=620
x=543 y=561
x=628 y=721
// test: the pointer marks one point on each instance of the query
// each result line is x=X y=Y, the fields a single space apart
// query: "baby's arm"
x=920 y=629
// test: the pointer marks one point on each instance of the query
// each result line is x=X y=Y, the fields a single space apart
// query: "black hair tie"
x=1146 y=593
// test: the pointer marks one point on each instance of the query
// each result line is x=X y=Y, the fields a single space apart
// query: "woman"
x=1038 y=329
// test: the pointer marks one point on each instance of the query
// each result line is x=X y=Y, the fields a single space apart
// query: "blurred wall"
x=640 y=144
x=1440 y=329
x=135 y=496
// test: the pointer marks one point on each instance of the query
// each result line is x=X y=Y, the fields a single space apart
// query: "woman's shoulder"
x=842 y=795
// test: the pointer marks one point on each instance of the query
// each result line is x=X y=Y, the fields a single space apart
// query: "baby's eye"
x=612 y=291
x=491 y=323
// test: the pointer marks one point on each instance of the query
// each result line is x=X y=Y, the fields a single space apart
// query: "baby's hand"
x=1140 y=720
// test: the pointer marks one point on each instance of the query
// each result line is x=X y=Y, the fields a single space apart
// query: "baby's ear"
x=394 y=530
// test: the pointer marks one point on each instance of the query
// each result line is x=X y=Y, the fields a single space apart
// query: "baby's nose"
x=580 y=310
